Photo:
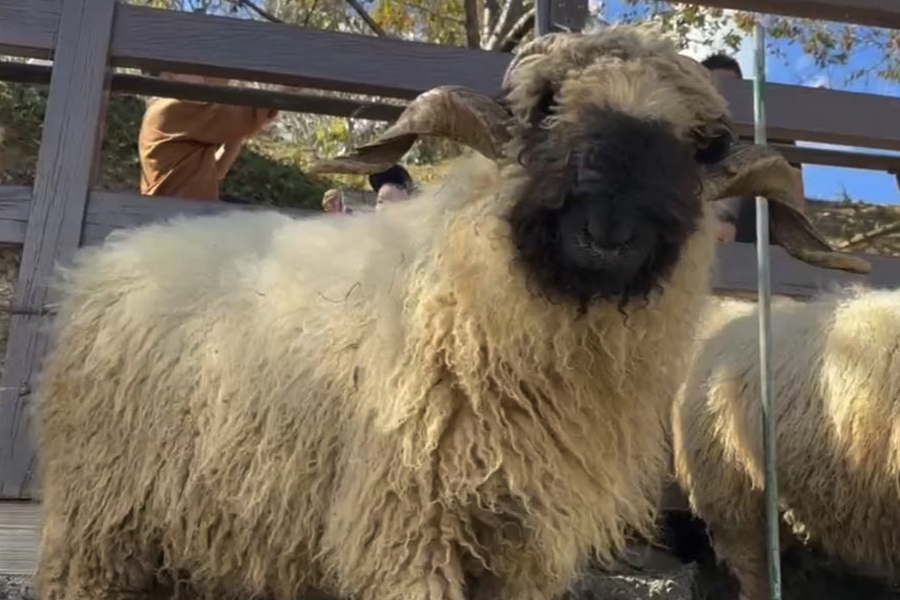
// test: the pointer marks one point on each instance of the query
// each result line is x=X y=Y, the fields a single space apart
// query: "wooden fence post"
x=71 y=135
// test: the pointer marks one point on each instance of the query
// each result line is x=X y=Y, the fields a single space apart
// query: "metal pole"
x=541 y=17
x=765 y=331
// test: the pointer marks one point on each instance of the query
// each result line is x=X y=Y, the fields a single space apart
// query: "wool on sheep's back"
x=372 y=405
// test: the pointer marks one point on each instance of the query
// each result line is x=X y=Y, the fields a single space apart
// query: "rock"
x=645 y=573
x=672 y=585
x=675 y=584
x=16 y=587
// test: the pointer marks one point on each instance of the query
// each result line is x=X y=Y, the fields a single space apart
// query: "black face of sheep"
x=608 y=205
x=609 y=144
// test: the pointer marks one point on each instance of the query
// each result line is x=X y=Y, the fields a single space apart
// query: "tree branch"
x=258 y=10
x=437 y=16
x=871 y=235
x=310 y=12
x=488 y=20
x=518 y=31
x=504 y=22
x=365 y=16
x=473 y=38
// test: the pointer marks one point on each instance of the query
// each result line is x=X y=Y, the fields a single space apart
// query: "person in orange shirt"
x=187 y=148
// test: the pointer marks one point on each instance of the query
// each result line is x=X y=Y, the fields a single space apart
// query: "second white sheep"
x=837 y=392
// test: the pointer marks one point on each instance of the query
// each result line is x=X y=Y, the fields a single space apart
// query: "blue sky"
x=821 y=182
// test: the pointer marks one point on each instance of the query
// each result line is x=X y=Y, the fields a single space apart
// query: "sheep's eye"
x=714 y=149
x=543 y=107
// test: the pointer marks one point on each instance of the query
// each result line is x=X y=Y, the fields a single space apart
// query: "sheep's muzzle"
x=607 y=208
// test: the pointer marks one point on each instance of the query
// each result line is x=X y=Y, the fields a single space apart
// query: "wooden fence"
x=87 y=39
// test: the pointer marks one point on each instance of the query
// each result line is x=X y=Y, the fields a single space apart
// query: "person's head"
x=391 y=192
x=726 y=212
x=332 y=201
x=722 y=66
x=396 y=177
x=391 y=185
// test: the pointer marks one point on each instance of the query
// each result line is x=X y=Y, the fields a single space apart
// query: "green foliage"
x=274 y=180
x=435 y=21
x=331 y=137
x=828 y=44
x=119 y=156
x=21 y=115
x=265 y=173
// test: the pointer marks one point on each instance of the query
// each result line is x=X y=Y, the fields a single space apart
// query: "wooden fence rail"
x=325 y=104
x=735 y=271
x=872 y=13
x=167 y=40
x=87 y=38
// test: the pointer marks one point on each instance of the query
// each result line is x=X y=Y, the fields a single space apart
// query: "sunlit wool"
x=837 y=394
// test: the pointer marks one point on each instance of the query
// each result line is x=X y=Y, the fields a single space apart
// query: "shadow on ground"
x=806 y=575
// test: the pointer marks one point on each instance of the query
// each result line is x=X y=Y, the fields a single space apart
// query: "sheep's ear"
x=451 y=112
x=757 y=170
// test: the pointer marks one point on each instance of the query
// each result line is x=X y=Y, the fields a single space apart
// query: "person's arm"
x=207 y=123
x=225 y=157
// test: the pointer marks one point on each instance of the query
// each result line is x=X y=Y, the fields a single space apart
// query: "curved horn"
x=453 y=112
x=756 y=170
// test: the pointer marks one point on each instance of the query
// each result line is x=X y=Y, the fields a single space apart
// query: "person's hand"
x=725 y=231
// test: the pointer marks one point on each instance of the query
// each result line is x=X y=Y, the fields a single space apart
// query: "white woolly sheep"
x=458 y=398
x=837 y=391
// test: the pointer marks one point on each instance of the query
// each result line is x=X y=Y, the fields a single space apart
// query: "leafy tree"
x=827 y=43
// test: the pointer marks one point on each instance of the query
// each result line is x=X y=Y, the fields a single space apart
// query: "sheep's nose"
x=609 y=234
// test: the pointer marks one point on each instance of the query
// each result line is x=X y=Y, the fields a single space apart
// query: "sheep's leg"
x=508 y=588
x=82 y=567
x=519 y=568
x=83 y=579
x=392 y=562
x=742 y=549
x=436 y=576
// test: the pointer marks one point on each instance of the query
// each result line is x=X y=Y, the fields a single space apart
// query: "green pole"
x=765 y=330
